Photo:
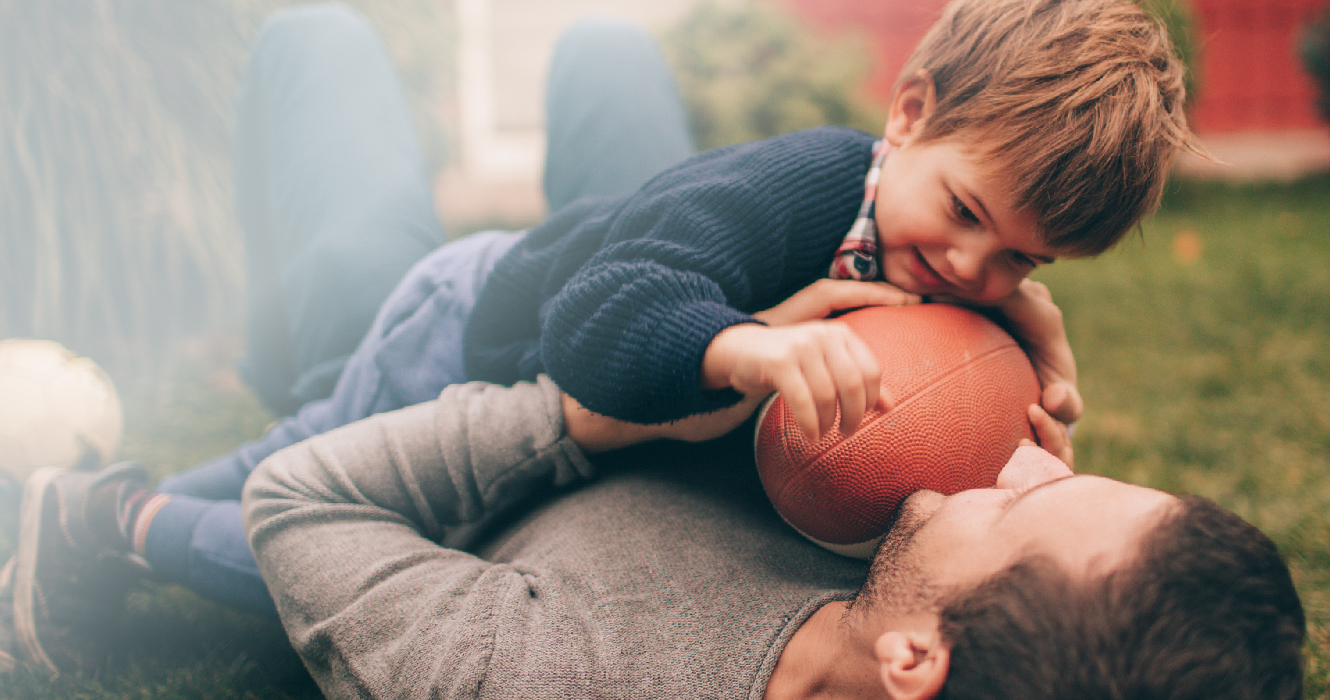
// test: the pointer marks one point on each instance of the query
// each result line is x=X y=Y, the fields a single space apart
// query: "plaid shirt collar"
x=856 y=259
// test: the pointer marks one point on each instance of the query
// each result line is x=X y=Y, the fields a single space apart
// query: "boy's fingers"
x=803 y=406
x=851 y=394
x=1051 y=433
x=1062 y=401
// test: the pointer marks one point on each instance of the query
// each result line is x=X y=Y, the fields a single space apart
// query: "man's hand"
x=815 y=364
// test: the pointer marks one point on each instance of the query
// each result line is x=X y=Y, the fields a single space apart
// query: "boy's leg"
x=614 y=117
x=333 y=195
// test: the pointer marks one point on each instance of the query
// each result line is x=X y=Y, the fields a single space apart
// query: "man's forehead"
x=1090 y=523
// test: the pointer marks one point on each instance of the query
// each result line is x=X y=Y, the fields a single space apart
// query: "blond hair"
x=1079 y=103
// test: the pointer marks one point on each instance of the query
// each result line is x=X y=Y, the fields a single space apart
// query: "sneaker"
x=68 y=584
x=8 y=643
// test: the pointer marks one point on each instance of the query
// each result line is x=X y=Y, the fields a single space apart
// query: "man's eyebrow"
x=1023 y=494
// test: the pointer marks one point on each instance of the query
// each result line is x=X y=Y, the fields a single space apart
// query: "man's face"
x=1088 y=524
x=947 y=225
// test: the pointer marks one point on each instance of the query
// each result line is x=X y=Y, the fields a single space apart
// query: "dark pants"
x=334 y=198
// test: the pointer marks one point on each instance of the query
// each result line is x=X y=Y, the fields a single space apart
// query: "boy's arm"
x=695 y=251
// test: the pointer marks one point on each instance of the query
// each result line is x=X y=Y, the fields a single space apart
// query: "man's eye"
x=963 y=212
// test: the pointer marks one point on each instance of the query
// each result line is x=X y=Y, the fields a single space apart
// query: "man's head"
x=1053 y=586
x=1057 y=122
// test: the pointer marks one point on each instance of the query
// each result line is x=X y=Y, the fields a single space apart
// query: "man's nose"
x=1029 y=467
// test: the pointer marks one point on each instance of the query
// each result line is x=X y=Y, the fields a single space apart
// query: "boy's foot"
x=69 y=582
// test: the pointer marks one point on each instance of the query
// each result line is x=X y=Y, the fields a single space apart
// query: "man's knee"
x=598 y=43
x=313 y=33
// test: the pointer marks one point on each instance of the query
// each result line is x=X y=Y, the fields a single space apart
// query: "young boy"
x=1020 y=131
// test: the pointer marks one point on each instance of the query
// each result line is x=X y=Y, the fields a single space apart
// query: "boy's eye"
x=1022 y=259
x=963 y=212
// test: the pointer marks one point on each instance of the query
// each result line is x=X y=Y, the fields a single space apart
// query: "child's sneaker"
x=68 y=585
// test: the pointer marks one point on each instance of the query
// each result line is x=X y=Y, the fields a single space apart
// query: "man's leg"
x=333 y=195
x=613 y=113
x=336 y=206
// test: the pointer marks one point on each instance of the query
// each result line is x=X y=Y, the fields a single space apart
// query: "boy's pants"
x=341 y=237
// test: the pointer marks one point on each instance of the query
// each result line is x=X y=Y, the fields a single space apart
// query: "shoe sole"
x=25 y=568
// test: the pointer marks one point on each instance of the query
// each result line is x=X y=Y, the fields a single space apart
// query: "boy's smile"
x=947 y=225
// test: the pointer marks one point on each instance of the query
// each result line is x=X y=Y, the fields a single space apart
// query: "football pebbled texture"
x=961 y=387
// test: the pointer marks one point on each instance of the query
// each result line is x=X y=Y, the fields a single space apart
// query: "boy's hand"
x=814 y=364
x=1037 y=323
x=1052 y=434
x=824 y=297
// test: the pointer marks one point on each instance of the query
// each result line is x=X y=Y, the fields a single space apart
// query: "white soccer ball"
x=54 y=407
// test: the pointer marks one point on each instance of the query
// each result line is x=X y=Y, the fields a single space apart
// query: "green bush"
x=753 y=71
x=1315 y=50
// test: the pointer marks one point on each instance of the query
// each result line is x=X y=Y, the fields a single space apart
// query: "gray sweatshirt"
x=654 y=579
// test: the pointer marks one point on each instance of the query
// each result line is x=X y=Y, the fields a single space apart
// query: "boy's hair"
x=1078 y=102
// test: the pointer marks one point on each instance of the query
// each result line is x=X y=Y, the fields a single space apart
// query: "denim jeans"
x=343 y=244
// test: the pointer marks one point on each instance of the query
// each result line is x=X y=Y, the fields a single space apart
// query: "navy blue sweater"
x=617 y=299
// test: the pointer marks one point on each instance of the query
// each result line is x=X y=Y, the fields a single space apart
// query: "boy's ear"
x=911 y=106
x=914 y=663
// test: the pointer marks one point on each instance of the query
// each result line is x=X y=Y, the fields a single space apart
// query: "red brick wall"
x=1249 y=74
x=1250 y=77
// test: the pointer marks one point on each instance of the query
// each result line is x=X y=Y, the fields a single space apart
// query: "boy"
x=1020 y=131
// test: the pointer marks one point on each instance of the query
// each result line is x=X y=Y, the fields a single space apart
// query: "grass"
x=1203 y=363
x=1202 y=357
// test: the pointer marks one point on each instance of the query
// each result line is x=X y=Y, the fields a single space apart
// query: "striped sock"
x=136 y=514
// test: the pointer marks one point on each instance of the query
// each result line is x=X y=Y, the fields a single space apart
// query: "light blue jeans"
x=343 y=245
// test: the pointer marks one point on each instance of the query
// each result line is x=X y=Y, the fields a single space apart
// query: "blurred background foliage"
x=115 y=195
x=750 y=71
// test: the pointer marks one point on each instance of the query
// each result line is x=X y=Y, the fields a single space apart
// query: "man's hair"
x=1079 y=103
x=1208 y=611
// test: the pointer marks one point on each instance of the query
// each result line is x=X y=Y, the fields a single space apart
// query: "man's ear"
x=911 y=106
x=913 y=664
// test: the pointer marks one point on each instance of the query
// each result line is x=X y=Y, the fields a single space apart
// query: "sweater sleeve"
x=344 y=528
x=698 y=249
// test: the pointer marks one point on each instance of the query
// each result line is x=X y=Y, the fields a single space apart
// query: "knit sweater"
x=668 y=577
x=617 y=300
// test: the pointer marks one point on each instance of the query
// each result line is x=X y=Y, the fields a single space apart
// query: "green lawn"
x=1202 y=349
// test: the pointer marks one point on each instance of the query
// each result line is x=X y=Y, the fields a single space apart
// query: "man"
x=671 y=576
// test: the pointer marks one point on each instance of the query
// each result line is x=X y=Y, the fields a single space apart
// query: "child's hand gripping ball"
x=962 y=388
x=56 y=409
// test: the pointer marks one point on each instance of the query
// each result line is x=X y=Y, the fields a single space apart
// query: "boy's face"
x=947 y=225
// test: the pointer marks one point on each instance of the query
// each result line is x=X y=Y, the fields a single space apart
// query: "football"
x=961 y=387
x=54 y=407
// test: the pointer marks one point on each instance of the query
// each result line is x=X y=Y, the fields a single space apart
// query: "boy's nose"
x=968 y=259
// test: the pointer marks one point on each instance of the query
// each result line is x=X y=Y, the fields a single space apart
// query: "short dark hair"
x=1208 y=611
